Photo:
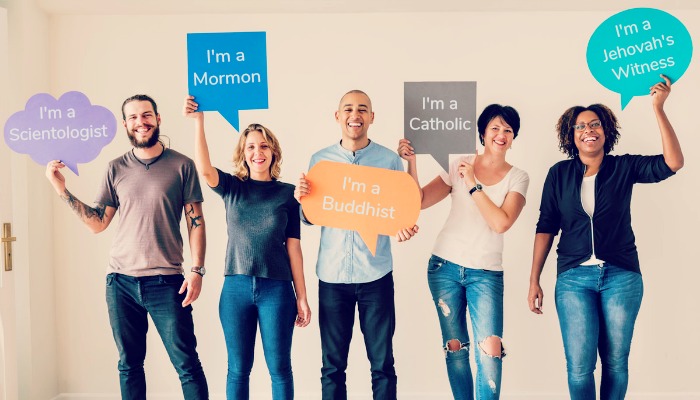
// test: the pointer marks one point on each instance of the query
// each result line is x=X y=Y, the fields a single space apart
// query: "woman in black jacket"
x=599 y=285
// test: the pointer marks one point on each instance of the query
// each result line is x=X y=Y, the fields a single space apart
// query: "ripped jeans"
x=454 y=288
x=597 y=307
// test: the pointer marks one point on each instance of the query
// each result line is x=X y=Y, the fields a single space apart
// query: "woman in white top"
x=465 y=269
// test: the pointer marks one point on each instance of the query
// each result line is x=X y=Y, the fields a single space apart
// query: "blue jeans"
x=129 y=301
x=454 y=289
x=336 y=317
x=245 y=302
x=597 y=307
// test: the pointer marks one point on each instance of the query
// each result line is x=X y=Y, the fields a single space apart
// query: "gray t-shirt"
x=150 y=203
x=260 y=216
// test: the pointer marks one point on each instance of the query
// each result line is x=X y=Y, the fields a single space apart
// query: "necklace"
x=148 y=166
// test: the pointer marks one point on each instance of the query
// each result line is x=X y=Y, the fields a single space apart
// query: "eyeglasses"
x=593 y=125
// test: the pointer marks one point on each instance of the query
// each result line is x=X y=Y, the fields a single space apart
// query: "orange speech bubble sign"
x=371 y=201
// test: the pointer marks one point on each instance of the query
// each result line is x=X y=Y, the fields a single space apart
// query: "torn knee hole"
x=454 y=345
x=493 y=347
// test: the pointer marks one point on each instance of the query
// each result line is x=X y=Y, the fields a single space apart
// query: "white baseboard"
x=368 y=396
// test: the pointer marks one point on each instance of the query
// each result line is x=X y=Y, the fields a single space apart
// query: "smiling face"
x=498 y=136
x=258 y=156
x=142 y=123
x=590 y=141
x=355 y=116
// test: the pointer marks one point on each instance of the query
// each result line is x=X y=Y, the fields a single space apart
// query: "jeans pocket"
x=110 y=279
x=435 y=264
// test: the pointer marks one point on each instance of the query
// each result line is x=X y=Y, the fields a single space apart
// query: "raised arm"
x=433 y=192
x=673 y=155
x=198 y=246
x=406 y=152
x=499 y=219
x=543 y=244
x=96 y=218
x=201 y=149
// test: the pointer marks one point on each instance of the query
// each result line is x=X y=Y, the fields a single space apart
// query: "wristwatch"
x=199 y=270
x=475 y=189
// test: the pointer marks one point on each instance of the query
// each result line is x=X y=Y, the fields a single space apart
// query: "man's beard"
x=147 y=143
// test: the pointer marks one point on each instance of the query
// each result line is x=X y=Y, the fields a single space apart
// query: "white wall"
x=532 y=61
x=28 y=33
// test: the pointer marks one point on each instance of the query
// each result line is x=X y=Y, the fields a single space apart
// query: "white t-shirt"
x=588 y=203
x=588 y=194
x=466 y=238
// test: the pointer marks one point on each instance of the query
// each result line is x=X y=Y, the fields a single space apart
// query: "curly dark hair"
x=565 y=128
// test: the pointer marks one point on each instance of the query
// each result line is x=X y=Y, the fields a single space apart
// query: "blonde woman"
x=264 y=278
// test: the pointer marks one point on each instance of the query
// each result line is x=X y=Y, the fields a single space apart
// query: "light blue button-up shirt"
x=343 y=256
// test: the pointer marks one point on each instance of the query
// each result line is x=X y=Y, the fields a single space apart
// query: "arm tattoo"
x=194 y=219
x=83 y=211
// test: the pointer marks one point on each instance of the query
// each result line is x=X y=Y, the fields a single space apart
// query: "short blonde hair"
x=240 y=168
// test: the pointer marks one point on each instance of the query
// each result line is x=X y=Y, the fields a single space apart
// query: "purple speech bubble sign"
x=69 y=129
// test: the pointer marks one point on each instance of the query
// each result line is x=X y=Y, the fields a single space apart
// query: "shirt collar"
x=356 y=152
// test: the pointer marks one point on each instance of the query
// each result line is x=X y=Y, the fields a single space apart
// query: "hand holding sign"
x=69 y=129
x=371 y=201
x=659 y=92
x=228 y=72
x=466 y=172
x=629 y=50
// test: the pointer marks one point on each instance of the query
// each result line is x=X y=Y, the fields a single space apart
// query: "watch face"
x=199 y=270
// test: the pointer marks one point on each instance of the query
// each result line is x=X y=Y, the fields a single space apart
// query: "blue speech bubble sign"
x=629 y=50
x=228 y=72
x=69 y=129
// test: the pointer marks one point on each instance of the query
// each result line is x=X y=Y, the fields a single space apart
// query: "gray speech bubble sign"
x=440 y=118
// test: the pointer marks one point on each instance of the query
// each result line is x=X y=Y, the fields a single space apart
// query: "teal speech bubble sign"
x=629 y=50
